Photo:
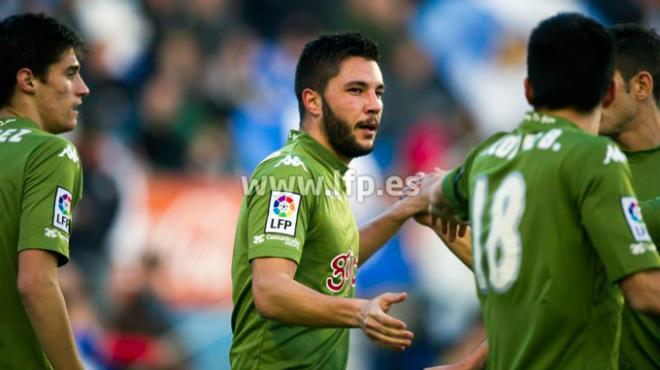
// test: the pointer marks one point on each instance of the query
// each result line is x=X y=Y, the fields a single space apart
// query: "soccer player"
x=633 y=121
x=297 y=246
x=554 y=218
x=41 y=179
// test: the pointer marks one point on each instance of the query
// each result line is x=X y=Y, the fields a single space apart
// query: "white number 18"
x=503 y=248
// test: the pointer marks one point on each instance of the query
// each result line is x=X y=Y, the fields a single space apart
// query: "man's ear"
x=642 y=85
x=26 y=80
x=529 y=92
x=609 y=95
x=312 y=102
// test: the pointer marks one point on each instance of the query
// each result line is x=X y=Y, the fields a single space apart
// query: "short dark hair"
x=637 y=49
x=322 y=57
x=33 y=41
x=570 y=62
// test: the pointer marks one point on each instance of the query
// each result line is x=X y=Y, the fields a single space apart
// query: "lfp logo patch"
x=633 y=214
x=62 y=211
x=283 y=213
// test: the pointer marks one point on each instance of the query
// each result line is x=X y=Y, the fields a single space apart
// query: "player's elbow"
x=265 y=300
x=642 y=291
x=30 y=285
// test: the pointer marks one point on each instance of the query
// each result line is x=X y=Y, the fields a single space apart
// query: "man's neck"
x=588 y=122
x=314 y=130
x=643 y=133
x=21 y=110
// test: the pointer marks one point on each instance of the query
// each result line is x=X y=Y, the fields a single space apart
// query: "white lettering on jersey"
x=292 y=160
x=638 y=249
x=13 y=135
x=283 y=211
x=10 y=120
x=70 y=153
x=614 y=154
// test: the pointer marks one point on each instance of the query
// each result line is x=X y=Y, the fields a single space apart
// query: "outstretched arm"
x=277 y=296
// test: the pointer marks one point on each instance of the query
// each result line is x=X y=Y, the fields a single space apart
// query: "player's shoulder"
x=286 y=162
x=49 y=145
x=585 y=147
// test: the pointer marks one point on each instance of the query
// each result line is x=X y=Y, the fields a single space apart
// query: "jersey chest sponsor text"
x=343 y=270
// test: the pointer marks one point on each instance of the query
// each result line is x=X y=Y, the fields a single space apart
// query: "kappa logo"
x=292 y=160
x=258 y=239
x=70 y=153
x=614 y=154
x=283 y=213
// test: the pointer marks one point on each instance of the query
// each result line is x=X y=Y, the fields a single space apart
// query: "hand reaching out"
x=382 y=328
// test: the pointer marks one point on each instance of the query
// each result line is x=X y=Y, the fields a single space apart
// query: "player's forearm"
x=283 y=299
x=460 y=247
x=379 y=230
x=44 y=304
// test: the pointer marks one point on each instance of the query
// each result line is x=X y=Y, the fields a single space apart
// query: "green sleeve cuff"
x=651 y=215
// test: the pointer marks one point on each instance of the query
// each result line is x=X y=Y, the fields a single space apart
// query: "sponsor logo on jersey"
x=614 y=154
x=633 y=214
x=343 y=271
x=258 y=239
x=62 y=211
x=52 y=234
x=637 y=249
x=70 y=153
x=9 y=120
x=283 y=213
x=292 y=160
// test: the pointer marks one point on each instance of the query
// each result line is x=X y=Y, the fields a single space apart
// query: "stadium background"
x=188 y=96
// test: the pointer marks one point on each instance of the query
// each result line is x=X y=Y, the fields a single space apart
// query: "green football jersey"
x=41 y=180
x=640 y=333
x=555 y=223
x=296 y=208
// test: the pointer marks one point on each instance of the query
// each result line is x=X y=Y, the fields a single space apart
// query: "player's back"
x=553 y=222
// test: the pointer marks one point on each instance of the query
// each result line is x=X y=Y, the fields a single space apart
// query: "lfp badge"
x=633 y=214
x=283 y=213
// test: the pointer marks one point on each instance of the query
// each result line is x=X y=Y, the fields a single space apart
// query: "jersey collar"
x=18 y=121
x=538 y=119
x=318 y=151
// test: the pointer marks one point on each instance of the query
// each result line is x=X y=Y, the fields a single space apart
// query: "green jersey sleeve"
x=279 y=214
x=610 y=211
x=651 y=213
x=456 y=184
x=52 y=186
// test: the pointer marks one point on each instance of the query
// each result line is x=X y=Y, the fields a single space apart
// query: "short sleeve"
x=651 y=213
x=456 y=184
x=279 y=212
x=611 y=214
x=52 y=187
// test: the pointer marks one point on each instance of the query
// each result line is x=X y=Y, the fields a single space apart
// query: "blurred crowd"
x=189 y=95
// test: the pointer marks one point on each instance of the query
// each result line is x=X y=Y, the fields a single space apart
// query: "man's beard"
x=340 y=135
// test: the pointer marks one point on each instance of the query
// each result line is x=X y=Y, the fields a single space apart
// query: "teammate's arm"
x=378 y=231
x=475 y=361
x=642 y=291
x=651 y=214
x=277 y=296
x=42 y=298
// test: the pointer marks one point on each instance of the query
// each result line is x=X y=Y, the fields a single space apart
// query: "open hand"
x=382 y=328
